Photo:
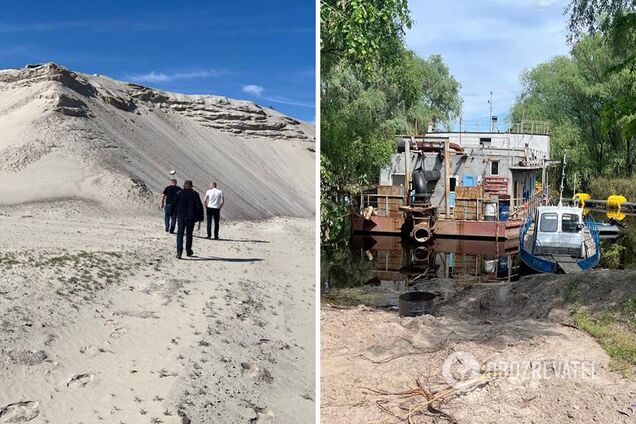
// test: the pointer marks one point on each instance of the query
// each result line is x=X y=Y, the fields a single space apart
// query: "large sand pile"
x=67 y=135
x=98 y=319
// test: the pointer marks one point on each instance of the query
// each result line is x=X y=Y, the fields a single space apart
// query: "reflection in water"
x=397 y=261
x=386 y=266
x=374 y=270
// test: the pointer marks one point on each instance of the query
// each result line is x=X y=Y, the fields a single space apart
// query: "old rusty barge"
x=478 y=185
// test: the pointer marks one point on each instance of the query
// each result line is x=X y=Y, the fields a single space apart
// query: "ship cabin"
x=484 y=177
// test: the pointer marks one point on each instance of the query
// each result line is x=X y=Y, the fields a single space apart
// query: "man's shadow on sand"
x=235 y=240
x=216 y=258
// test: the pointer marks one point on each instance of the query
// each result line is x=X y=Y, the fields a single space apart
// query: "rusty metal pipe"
x=421 y=233
x=430 y=146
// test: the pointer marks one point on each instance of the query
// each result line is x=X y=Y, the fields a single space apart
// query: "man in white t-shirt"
x=214 y=202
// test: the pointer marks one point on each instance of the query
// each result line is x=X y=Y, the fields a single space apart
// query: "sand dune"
x=99 y=321
x=70 y=135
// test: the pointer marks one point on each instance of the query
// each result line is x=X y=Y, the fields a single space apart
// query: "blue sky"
x=487 y=44
x=262 y=51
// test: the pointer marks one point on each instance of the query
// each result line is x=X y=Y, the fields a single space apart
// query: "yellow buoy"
x=615 y=201
x=580 y=198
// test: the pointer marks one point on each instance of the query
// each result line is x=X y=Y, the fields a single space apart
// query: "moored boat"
x=558 y=239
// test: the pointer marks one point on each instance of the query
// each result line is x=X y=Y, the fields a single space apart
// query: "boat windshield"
x=570 y=223
x=549 y=222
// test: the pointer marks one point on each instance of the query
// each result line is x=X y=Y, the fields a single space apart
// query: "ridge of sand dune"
x=71 y=135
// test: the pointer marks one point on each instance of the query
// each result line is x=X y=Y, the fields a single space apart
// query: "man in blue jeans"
x=189 y=209
x=168 y=198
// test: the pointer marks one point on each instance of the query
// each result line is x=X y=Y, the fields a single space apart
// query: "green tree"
x=364 y=33
x=573 y=93
x=372 y=87
x=615 y=20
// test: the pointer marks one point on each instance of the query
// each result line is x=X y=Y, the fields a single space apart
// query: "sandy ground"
x=99 y=322
x=523 y=323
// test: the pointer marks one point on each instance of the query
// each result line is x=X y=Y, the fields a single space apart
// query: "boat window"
x=569 y=223
x=494 y=167
x=549 y=222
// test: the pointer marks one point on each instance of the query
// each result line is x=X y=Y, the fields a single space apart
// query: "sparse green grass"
x=619 y=343
x=8 y=260
x=80 y=275
x=614 y=328
x=629 y=308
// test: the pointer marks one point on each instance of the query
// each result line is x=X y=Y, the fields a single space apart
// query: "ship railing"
x=530 y=127
x=523 y=207
x=381 y=203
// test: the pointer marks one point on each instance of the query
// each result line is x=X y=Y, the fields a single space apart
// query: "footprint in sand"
x=19 y=412
x=249 y=369
x=80 y=380
x=118 y=332
x=263 y=415
x=265 y=376
x=91 y=350
x=260 y=374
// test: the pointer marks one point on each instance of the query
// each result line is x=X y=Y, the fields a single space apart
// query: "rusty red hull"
x=493 y=230
x=377 y=224
x=498 y=230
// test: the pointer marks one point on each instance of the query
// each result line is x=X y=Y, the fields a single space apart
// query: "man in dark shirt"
x=168 y=198
x=189 y=210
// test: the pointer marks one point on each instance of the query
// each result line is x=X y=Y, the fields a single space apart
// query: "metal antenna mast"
x=562 y=179
x=490 y=111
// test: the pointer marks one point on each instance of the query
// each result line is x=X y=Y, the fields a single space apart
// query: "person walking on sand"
x=189 y=211
x=168 y=198
x=214 y=202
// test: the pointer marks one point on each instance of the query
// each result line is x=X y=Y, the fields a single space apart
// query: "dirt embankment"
x=532 y=326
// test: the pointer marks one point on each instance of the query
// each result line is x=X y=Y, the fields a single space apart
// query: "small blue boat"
x=557 y=239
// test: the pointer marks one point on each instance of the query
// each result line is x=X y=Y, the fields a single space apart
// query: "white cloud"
x=167 y=77
x=259 y=91
x=253 y=89
x=286 y=101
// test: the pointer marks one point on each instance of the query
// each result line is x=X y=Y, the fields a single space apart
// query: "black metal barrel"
x=416 y=303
